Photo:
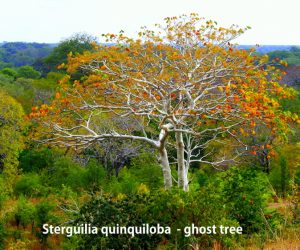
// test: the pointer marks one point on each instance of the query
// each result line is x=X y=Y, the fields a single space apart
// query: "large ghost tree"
x=182 y=85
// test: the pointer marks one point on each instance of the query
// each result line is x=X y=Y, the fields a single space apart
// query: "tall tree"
x=75 y=44
x=11 y=137
x=28 y=72
x=184 y=81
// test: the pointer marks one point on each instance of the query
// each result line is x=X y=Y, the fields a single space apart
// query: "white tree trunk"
x=163 y=155
x=164 y=162
x=182 y=170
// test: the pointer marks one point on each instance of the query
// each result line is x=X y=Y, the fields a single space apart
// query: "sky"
x=272 y=22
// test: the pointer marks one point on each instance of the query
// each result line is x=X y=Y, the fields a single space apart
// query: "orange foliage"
x=200 y=80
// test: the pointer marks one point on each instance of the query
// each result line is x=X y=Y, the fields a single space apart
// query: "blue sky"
x=272 y=21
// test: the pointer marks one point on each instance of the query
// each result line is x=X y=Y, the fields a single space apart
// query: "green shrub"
x=175 y=209
x=147 y=170
x=201 y=178
x=29 y=185
x=35 y=160
x=143 y=170
x=126 y=183
x=94 y=176
x=280 y=177
x=25 y=212
x=2 y=235
x=297 y=177
x=44 y=215
x=65 y=172
x=3 y=195
x=108 y=212
x=246 y=192
x=9 y=72
x=28 y=72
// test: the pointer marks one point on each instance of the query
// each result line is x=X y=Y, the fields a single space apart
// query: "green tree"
x=283 y=175
x=245 y=193
x=11 y=137
x=9 y=72
x=292 y=56
x=28 y=72
x=76 y=44
x=29 y=92
x=25 y=212
x=5 y=65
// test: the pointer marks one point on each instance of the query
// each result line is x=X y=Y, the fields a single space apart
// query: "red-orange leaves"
x=34 y=108
x=165 y=77
x=236 y=98
x=252 y=124
x=57 y=95
x=65 y=101
x=139 y=75
x=173 y=95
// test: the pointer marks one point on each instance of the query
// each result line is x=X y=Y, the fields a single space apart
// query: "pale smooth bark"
x=182 y=170
x=164 y=162
x=163 y=156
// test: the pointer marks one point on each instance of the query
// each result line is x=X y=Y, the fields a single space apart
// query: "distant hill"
x=17 y=54
x=268 y=48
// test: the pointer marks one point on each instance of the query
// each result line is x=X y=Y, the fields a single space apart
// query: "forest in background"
x=45 y=184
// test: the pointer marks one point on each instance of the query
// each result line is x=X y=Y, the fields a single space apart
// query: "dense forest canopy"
x=17 y=54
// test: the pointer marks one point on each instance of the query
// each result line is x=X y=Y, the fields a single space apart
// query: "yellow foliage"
x=143 y=189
